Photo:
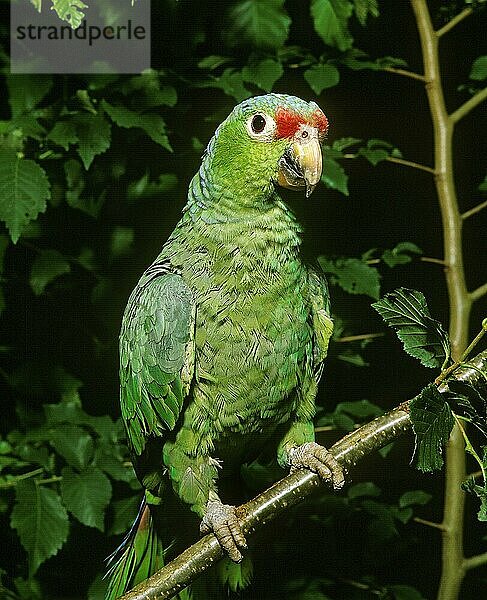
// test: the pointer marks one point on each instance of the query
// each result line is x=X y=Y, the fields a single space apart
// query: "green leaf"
x=236 y=576
x=230 y=82
x=480 y=491
x=263 y=74
x=124 y=513
x=483 y=185
x=121 y=241
x=86 y=495
x=400 y=254
x=63 y=134
x=40 y=520
x=260 y=23
x=74 y=444
x=365 y=7
x=414 y=497
x=70 y=11
x=24 y=189
x=344 y=143
x=377 y=150
x=353 y=275
x=75 y=183
x=479 y=69
x=213 y=61
x=424 y=338
x=334 y=176
x=152 y=124
x=144 y=188
x=330 y=19
x=26 y=91
x=94 y=136
x=365 y=488
x=357 y=60
x=432 y=422
x=47 y=266
x=322 y=76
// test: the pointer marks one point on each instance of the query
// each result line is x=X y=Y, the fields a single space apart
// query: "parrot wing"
x=322 y=322
x=156 y=354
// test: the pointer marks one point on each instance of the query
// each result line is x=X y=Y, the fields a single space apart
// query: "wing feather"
x=156 y=354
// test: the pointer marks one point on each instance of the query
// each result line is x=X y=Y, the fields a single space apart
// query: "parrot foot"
x=221 y=519
x=318 y=459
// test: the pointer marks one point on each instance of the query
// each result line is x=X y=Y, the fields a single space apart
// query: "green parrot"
x=223 y=338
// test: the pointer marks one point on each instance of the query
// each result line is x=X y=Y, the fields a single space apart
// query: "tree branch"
x=474 y=210
x=451 y=24
x=478 y=293
x=287 y=492
x=475 y=561
x=469 y=105
x=410 y=163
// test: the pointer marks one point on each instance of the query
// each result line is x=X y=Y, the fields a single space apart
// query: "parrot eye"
x=258 y=124
x=261 y=127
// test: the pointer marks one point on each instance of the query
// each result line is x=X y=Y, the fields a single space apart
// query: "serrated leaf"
x=365 y=7
x=86 y=495
x=330 y=19
x=358 y=60
x=260 y=23
x=26 y=91
x=479 y=69
x=24 y=189
x=263 y=74
x=334 y=176
x=424 y=338
x=353 y=275
x=153 y=125
x=63 y=134
x=47 y=266
x=480 y=491
x=74 y=444
x=70 y=11
x=413 y=497
x=124 y=513
x=40 y=520
x=322 y=76
x=432 y=422
x=94 y=135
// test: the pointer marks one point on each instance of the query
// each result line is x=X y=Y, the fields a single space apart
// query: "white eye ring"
x=261 y=127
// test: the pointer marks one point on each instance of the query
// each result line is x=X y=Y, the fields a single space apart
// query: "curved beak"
x=301 y=164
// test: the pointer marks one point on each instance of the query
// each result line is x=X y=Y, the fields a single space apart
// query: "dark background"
x=72 y=326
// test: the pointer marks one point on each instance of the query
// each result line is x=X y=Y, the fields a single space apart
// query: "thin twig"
x=13 y=482
x=405 y=73
x=436 y=261
x=469 y=105
x=451 y=24
x=475 y=561
x=410 y=163
x=362 y=336
x=474 y=210
x=439 y=526
x=479 y=292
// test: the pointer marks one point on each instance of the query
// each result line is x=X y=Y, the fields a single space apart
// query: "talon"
x=318 y=459
x=222 y=520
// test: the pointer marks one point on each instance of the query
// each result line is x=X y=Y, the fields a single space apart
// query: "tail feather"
x=140 y=554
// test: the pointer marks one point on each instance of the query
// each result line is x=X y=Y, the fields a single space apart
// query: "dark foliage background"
x=66 y=280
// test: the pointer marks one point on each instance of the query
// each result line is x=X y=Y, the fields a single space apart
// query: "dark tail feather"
x=140 y=554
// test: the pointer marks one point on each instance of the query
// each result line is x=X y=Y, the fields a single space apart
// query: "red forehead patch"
x=288 y=122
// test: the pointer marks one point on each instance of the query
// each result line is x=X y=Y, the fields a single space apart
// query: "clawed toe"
x=222 y=520
x=318 y=459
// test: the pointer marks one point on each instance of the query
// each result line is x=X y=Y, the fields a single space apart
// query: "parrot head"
x=270 y=140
